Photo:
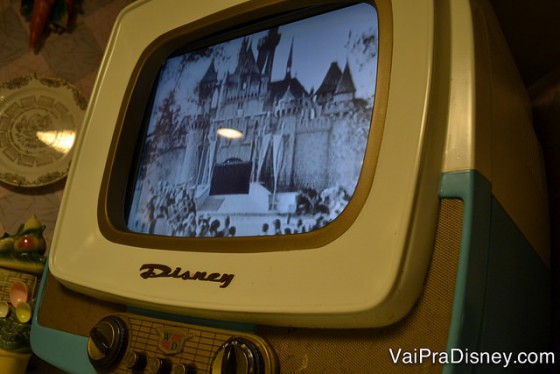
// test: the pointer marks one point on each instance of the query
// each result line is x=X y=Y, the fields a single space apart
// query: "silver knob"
x=107 y=343
x=238 y=356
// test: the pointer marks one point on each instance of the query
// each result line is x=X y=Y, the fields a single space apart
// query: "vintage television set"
x=315 y=186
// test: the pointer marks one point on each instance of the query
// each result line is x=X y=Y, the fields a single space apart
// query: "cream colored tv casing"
x=372 y=274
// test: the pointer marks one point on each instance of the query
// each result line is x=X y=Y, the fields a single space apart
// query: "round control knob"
x=184 y=369
x=136 y=361
x=238 y=356
x=107 y=343
x=158 y=366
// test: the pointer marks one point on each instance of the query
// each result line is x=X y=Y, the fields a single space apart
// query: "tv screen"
x=263 y=134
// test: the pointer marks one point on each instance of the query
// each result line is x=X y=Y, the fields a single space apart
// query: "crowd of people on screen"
x=172 y=210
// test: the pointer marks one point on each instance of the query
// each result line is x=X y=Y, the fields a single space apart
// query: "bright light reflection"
x=60 y=141
x=229 y=133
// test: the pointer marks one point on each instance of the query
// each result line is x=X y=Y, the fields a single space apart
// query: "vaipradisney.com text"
x=464 y=356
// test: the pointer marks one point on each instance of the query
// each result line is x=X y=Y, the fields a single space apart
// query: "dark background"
x=532 y=30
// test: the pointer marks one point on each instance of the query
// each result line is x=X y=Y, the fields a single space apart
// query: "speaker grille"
x=367 y=350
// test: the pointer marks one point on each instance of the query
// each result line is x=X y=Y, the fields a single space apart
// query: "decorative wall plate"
x=39 y=121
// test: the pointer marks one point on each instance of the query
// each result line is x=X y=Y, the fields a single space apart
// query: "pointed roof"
x=266 y=48
x=246 y=63
x=345 y=84
x=211 y=74
x=290 y=61
x=279 y=89
x=288 y=95
x=331 y=80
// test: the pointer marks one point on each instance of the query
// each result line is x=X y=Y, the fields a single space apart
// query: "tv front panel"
x=329 y=160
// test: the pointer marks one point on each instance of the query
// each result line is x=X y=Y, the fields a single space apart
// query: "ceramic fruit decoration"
x=25 y=250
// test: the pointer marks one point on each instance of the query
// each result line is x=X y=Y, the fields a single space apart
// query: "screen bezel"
x=236 y=21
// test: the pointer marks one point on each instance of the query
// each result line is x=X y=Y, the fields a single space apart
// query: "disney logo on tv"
x=164 y=271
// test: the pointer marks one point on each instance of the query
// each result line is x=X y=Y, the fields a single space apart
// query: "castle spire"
x=290 y=61
x=346 y=84
x=208 y=82
x=266 y=49
x=327 y=89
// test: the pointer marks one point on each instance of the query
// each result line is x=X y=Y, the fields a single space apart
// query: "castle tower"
x=327 y=89
x=345 y=89
x=208 y=88
x=267 y=48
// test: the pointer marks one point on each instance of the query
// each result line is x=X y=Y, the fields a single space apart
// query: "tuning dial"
x=107 y=343
x=238 y=356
